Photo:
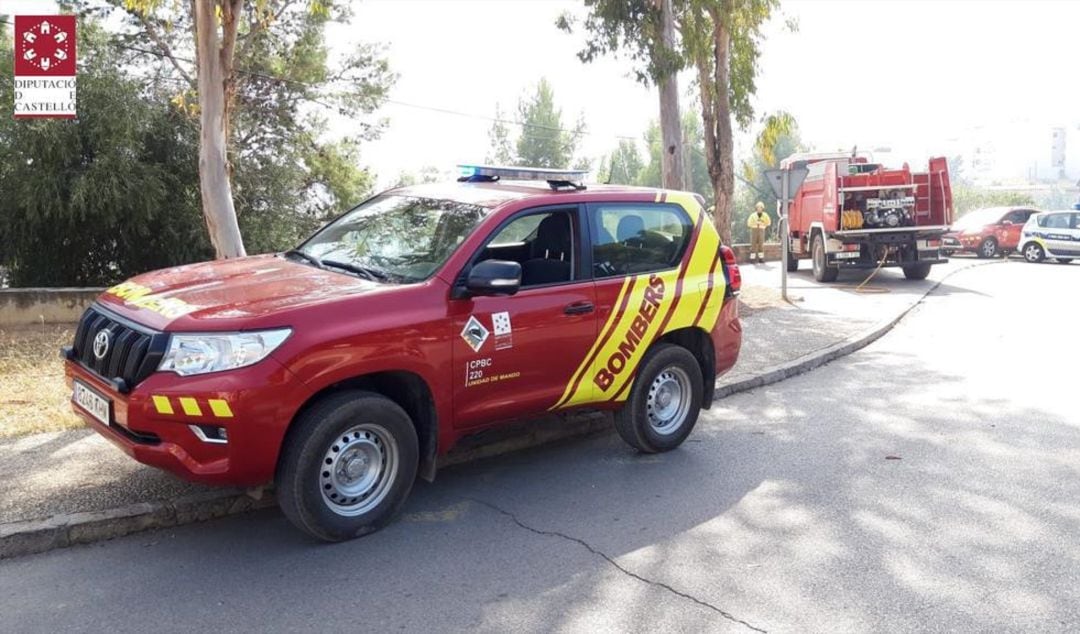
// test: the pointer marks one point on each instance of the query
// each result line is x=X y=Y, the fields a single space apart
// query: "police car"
x=342 y=370
x=1051 y=234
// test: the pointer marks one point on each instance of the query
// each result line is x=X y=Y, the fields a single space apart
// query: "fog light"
x=210 y=434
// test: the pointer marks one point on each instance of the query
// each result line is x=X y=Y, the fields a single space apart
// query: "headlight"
x=212 y=352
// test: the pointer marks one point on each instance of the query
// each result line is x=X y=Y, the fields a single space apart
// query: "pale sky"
x=919 y=76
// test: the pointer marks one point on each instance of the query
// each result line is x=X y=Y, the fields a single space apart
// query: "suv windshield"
x=393 y=237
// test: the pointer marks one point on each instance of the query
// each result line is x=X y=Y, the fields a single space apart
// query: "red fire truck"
x=852 y=213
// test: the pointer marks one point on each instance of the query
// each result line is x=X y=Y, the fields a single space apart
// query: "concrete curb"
x=36 y=536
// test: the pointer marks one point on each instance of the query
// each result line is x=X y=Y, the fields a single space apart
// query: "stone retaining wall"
x=24 y=306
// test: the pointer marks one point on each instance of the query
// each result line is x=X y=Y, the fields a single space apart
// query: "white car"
x=1051 y=234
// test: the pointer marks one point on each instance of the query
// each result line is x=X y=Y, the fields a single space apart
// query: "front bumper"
x=153 y=423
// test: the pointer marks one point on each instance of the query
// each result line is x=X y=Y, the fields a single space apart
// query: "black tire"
x=822 y=271
x=988 y=248
x=1033 y=253
x=639 y=422
x=916 y=271
x=1064 y=260
x=792 y=262
x=377 y=429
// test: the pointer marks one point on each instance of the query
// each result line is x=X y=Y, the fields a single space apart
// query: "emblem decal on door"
x=500 y=323
x=474 y=333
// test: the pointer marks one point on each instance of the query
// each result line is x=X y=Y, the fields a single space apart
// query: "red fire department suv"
x=342 y=369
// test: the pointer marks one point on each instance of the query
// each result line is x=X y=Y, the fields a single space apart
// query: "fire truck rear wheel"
x=347 y=465
x=664 y=401
x=792 y=262
x=916 y=271
x=822 y=271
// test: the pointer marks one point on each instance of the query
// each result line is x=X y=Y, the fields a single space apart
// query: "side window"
x=1018 y=217
x=632 y=238
x=1055 y=221
x=542 y=243
x=1076 y=221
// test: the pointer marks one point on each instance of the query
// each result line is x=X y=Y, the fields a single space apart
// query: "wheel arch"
x=409 y=390
x=1023 y=246
x=698 y=342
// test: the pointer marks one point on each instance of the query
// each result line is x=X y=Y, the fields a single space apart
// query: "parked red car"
x=987 y=232
x=341 y=370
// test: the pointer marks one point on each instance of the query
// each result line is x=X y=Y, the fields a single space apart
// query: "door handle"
x=578 y=308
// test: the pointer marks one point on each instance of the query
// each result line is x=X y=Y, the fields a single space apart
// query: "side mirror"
x=494 y=277
x=1006 y=223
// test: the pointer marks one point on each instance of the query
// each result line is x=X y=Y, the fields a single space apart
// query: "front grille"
x=133 y=354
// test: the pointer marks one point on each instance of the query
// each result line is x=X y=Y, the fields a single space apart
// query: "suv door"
x=1058 y=233
x=513 y=355
x=637 y=250
x=1008 y=231
x=1072 y=249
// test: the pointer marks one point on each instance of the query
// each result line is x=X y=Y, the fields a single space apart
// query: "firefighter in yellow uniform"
x=758 y=222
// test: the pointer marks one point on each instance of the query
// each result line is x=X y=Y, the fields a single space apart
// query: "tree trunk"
x=713 y=75
x=214 y=183
x=671 y=161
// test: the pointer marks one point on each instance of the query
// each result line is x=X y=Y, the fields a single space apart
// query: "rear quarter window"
x=633 y=238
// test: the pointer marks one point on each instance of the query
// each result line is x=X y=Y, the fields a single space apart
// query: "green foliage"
x=968 y=198
x=544 y=140
x=288 y=175
x=427 y=174
x=624 y=166
x=777 y=139
x=627 y=28
x=502 y=147
x=694 y=146
x=91 y=201
x=744 y=20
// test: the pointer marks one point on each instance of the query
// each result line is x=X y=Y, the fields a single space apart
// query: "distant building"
x=1057 y=151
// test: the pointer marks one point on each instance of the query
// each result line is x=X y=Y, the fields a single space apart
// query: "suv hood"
x=227 y=294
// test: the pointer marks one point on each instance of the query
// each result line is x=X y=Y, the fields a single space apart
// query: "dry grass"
x=753 y=299
x=33 y=397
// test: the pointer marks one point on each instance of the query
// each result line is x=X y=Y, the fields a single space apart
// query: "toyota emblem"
x=101 y=344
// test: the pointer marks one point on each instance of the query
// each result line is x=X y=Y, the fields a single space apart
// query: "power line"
x=448 y=111
x=261 y=75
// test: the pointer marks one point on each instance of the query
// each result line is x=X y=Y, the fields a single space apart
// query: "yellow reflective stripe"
x=702 y=260
x=220 y=408
x=621 y=335
x=190 y=406
x=580 y=375
x=162 y=404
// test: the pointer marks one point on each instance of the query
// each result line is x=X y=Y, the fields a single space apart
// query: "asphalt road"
x=929 y=482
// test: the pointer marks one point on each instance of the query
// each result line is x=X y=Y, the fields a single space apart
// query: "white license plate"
x=91 y=402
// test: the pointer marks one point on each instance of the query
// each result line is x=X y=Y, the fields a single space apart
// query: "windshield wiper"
x=305 y=256
x=367 y=272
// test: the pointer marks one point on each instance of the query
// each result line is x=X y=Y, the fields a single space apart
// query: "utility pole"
x=671 y=156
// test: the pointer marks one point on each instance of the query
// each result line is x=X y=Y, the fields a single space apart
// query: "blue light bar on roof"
x=523 y=173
